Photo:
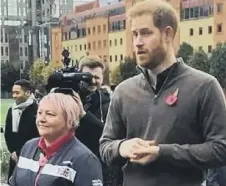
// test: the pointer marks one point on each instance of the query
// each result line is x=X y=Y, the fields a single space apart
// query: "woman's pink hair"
x=66 y=104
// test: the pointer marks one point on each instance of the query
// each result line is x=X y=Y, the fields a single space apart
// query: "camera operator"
x=95 y=101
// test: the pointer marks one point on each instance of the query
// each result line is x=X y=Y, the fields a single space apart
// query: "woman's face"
x=50 y=121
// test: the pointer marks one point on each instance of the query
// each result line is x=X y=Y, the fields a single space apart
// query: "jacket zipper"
x=38 y=174
x=155 y=98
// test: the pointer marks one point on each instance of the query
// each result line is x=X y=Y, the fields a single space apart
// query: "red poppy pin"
x=172 y=99
x=42 y=160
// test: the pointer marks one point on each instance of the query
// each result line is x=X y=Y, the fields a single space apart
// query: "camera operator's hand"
x=77 y=98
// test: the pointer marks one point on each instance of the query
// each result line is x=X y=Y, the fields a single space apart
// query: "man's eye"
x=145 y=33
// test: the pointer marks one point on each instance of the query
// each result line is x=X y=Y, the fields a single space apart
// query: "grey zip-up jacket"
x=72 y=165
x=191 y=134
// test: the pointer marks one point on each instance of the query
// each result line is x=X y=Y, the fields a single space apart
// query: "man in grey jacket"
x=167 y=125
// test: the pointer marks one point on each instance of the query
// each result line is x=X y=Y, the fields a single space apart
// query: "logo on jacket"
x=97 y=183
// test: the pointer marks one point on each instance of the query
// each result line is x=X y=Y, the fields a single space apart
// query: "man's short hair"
x=163 y=13
x=91 y=62
x=25 y=84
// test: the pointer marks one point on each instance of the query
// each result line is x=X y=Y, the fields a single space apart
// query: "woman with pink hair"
x=57 y=157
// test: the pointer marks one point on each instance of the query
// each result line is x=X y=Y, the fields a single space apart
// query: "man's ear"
x=169 y=34
x=28 y=93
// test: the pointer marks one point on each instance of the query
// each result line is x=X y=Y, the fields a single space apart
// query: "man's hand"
x=128 y=147
x=145 y=155
x=14 y=157
x=77 y=98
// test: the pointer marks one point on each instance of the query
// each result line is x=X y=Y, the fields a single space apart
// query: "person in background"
x=167 y=125
x=57 y=158
x=38 y=95
x=95 y=102
x=20 y=124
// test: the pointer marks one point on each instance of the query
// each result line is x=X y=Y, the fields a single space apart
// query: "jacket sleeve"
x=113 y=134
x=33 y=130
x=91 y=120
x=8 y=131
x=211 y=116
x=90 y=173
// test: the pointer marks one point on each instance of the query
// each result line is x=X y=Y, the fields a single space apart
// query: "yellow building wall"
x=197 y=40
x=76 y=47
x=116 y=49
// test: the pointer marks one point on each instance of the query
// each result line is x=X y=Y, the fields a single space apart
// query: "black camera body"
x=68 y=77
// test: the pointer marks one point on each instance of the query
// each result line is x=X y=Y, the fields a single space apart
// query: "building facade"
x=104 y=31
x=203 y=23
x=25 y=29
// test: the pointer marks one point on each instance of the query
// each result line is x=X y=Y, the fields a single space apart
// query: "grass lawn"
x=5 y=104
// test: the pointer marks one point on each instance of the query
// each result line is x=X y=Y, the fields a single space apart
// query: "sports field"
x=5 y=104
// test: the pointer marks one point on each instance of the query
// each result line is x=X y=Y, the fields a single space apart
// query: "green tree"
x=116 y=76
x=124 y=71
x=9 y=75
x=35 y=74
x=48 y=70
x=128 y=68
x=185 y=51
x=218 y=64
x=200 y=61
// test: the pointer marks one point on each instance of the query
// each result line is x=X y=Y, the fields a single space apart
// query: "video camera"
x=68 y=77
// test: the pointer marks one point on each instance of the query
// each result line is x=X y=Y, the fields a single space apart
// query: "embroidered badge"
x=172 y=99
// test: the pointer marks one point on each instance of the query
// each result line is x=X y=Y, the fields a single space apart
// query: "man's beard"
x=155 y=59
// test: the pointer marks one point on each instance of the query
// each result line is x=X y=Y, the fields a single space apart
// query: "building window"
x=105 y=43
x=94 y=45
x=1 y=37
x=191 y=32
x=192 y=12
x=6 y=38
x=26 y=51
x=116 y=58
x=84 y=46
x=89 y=46
x=65 y=36
x=6 y=51
x=115 y=42
x=110 y=43
x=196 y=12
x=75 y=48
x=83 y=32
x=209 y=49
x=2 y=51
x=121 y=57
x=219 y=7
x=99 y=44
x=121 y=41
x=99 y=29
x=200 y=30
x=200 y=48
x=80 y=47
x=25 y=38
x=21 y=51
x=94 y=30
x=219 y=27
x=210 y=29
x=110 y=58
x=88 y=31
x=104 y=28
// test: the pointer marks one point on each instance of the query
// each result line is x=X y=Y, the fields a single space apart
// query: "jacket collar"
x=53 y=148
